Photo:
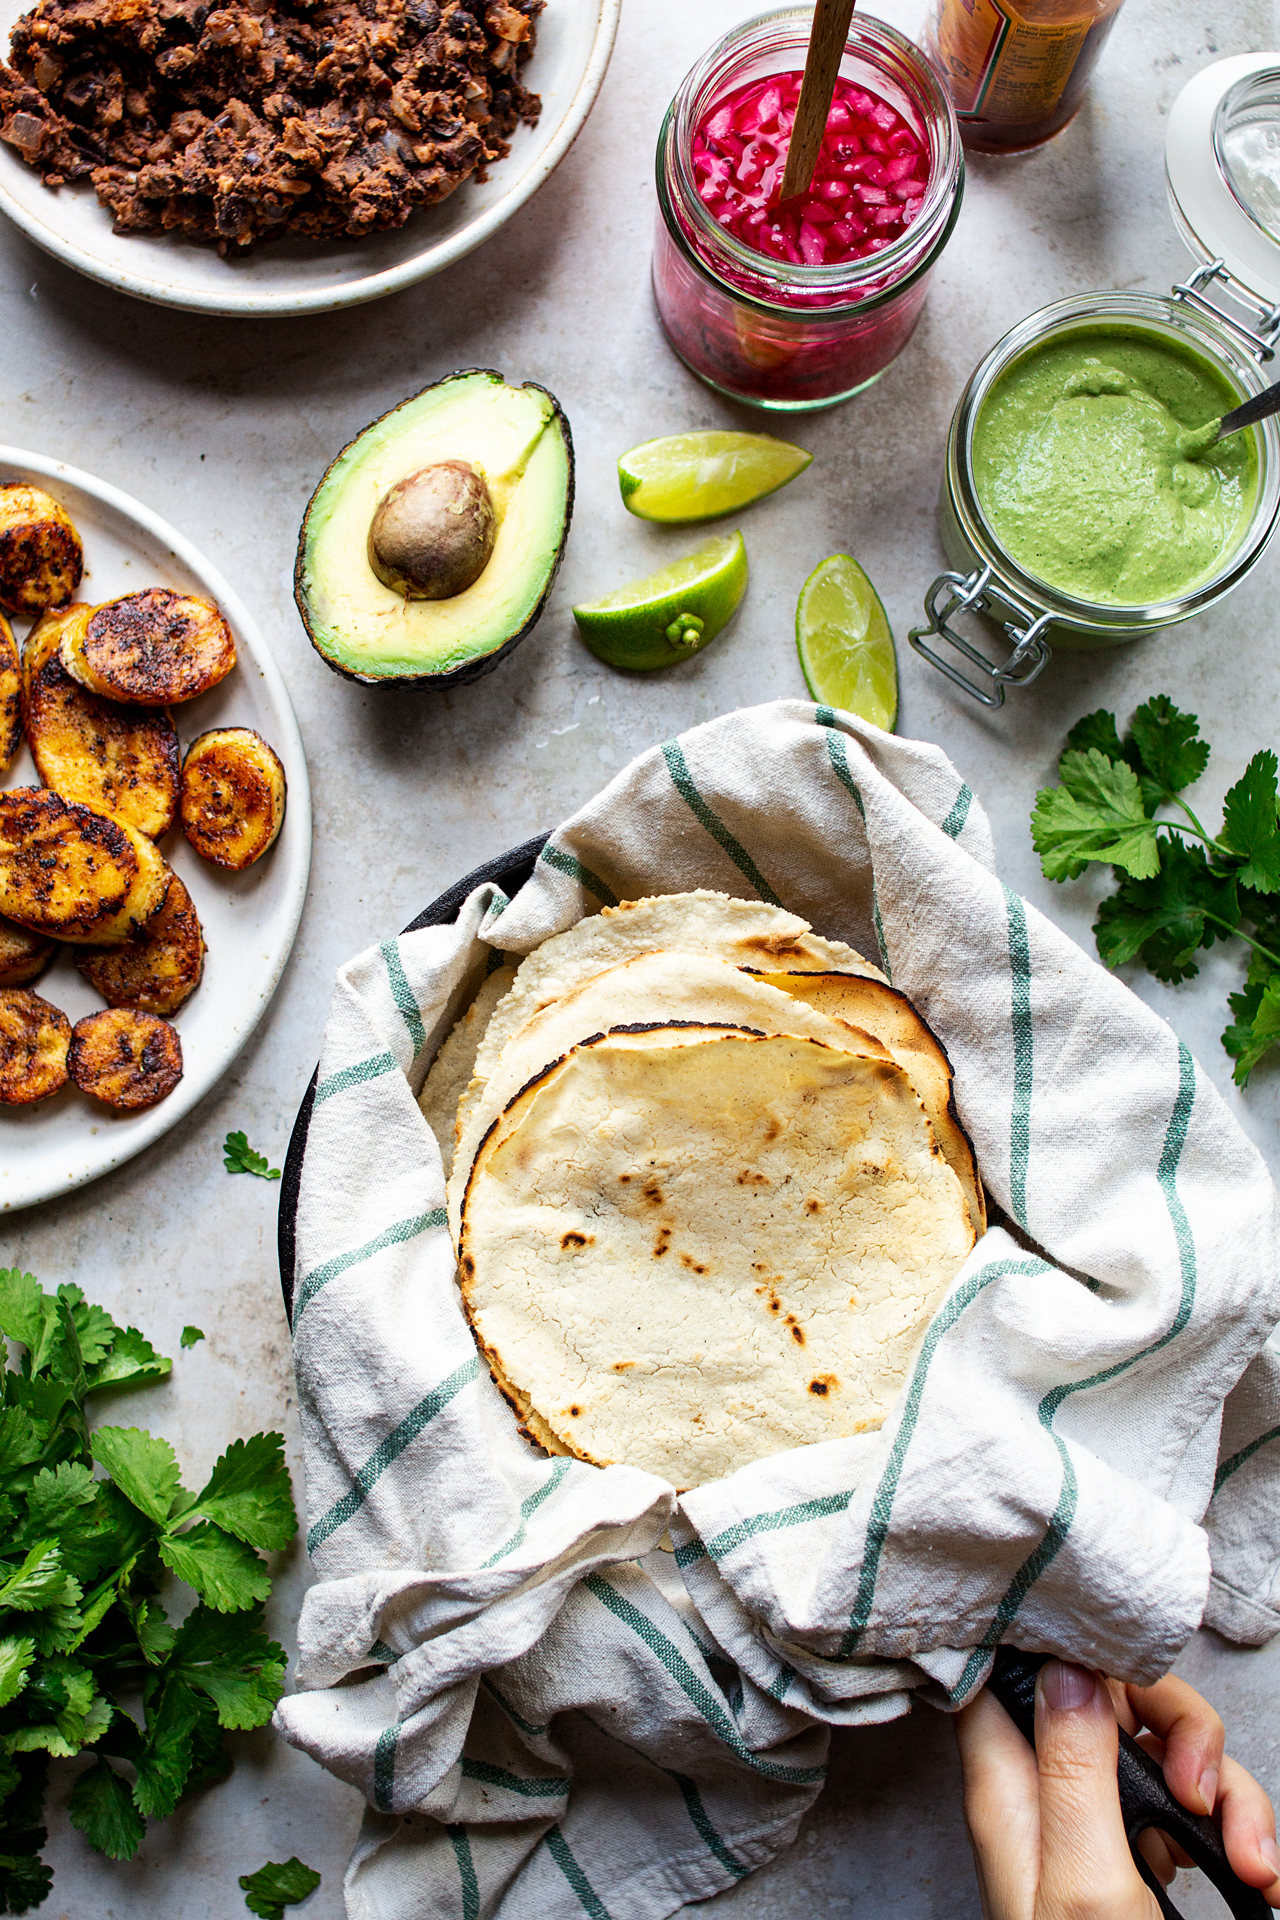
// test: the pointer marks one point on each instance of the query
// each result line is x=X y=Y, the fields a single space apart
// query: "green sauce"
x=1081 y=475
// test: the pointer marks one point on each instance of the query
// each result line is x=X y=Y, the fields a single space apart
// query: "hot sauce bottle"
x=1017 y=69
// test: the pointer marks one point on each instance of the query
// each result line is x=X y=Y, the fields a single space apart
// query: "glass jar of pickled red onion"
x=799 y=304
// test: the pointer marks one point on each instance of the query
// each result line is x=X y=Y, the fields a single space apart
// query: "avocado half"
x=518 y=440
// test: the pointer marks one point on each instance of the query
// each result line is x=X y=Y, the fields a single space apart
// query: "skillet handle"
x=1145 y=1800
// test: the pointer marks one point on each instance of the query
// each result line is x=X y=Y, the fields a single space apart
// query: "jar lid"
x=1222 y=165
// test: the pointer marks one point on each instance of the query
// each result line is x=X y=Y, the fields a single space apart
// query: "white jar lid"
x=1222 y=165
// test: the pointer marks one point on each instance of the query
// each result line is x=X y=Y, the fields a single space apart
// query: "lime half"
x=671 y=613
x=699 y=476
x=845 y=646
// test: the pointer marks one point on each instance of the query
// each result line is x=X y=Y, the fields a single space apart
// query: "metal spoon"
x=1193 y=441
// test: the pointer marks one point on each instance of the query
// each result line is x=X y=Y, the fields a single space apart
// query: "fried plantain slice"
x=73 y=874
x=233 y=795
x=124 y=1058
x=41 y=558
x=120 y=760
x=150 y=648
x=34 y=1039
x=23 y=955
x=10 y=695
x=46 y=637
x=160 y=968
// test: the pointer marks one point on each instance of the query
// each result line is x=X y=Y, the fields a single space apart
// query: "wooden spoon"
x=827 y=41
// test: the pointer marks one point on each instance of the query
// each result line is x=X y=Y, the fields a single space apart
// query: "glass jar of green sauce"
x=1076 y=509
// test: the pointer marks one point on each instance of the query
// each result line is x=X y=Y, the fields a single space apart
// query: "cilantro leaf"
x=190 y=1335
x=1163 y=920
x=224 y=1572
x=239 y=1157
x=22 y=1438
x=40 y=1581
x=277 y=1886
x=162 y=1756
x=1250 y=826
x=249 y=1495
x=16 y=1655
x=143 y=1467
x=1256 y=1027
x=1168 y=744
x=28 y=1315
x=95 y=1329
x=232 y=1662
x=101 y=1805
x=1096 y=814
x=54 y=1499
x=1097 y=730
x=131 y=1359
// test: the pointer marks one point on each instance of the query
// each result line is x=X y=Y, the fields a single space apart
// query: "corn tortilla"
x=687 y=1256
x=653 y=988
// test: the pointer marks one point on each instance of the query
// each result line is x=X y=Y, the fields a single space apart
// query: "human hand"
x=1045 y=1825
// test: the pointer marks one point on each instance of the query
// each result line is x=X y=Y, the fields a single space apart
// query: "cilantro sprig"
x=278 y=1885
x=90 y=1524
x=239 y=1157
x=1180 y=887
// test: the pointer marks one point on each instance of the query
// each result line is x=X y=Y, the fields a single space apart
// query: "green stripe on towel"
x=491 y=1776
x=1043 y=1555
x=691 y=1686
x=390 y=1450
x=1023 y=1055
x=682 y=780
x=402 y=993
x=838 y=755
x=1237 y=1460
x=527 y=1508
x=466 y=1872
x=953 y=825
x=724 y=1543
x=588 y=1899
x=882 y=1505
x=694 y=1806
x=384 y=1769
x=392 y=1236
x=573 y=869
x=371 y=1069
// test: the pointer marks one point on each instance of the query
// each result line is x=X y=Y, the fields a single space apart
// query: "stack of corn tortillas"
x=706 y=1184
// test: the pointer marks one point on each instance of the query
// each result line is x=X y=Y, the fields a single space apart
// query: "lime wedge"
x=670 y=614
x=699 y=476
x=845 y=646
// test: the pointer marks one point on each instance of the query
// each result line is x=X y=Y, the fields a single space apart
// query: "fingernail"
x=1066 y=1687
x=1209 y=1794
x=1270 y=1855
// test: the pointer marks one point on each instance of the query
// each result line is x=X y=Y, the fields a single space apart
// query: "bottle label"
x=1001 y=67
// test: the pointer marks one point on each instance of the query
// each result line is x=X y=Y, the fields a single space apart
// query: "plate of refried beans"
x=260 y=157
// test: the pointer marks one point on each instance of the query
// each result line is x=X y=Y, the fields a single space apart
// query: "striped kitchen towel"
x=551 y=1712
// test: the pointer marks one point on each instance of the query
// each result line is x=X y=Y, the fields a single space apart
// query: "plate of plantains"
x=155 y=827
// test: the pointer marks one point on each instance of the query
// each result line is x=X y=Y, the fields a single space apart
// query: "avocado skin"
x=468 y=670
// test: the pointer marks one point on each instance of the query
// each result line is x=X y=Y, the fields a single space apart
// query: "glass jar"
x=781 y=335
x=989 y=582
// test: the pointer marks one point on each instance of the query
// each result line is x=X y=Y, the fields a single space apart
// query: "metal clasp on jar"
x=1260 y=343
x=974 y=593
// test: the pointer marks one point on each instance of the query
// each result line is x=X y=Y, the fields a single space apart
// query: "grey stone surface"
x=225 y=428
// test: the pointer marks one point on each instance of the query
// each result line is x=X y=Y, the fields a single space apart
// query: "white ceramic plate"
x=575 y=39
x=249 y=918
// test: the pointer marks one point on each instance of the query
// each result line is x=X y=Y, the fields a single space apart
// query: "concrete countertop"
x=225 y=427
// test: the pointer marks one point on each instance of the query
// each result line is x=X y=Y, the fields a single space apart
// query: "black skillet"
x=1145 y=1800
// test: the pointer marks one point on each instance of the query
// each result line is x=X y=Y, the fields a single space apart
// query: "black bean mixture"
x=254 y=119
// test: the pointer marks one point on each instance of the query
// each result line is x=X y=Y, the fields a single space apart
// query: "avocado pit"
x=433 y=533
